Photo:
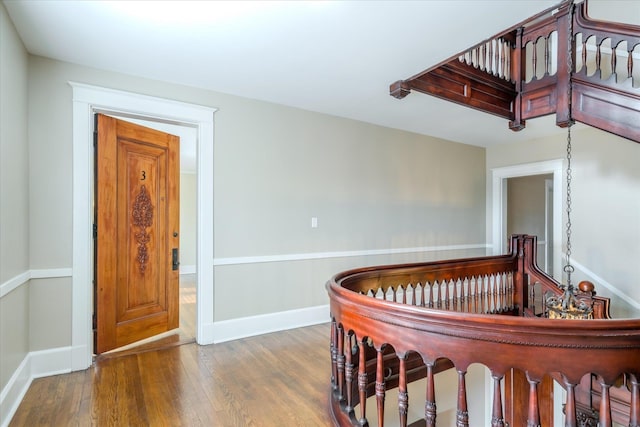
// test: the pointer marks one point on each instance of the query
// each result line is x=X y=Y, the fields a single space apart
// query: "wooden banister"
x=391 y=343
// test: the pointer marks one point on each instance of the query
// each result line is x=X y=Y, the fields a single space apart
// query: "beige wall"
x=275 y=167
x=14 y=200
x=526 y=209
x=606 y=206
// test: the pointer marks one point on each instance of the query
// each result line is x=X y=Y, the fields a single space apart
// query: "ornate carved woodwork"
x=142 y=215
x=402 y=338
x=553 y=63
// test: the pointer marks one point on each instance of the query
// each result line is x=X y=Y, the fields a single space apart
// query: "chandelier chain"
x=568 y=268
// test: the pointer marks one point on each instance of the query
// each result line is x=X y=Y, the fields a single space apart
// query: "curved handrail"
x=367 y=330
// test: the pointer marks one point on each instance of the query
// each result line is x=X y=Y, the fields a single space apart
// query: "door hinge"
x=95 y=130
x=95 y=231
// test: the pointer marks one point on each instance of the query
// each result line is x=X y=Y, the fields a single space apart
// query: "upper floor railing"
x=559 y=61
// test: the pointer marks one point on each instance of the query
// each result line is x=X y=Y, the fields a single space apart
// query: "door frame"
x=87 y=100
x=499 y=178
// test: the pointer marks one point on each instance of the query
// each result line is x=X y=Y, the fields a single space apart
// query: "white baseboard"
x=36 y=364
x=14 y=391
x=228 y=330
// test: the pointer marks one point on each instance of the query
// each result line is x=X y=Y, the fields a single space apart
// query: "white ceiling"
x=334 y=57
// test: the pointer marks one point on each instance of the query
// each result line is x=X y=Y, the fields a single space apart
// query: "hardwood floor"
x=272 y=380
x=186 y=332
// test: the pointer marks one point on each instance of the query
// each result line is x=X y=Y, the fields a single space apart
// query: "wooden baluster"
x=505 y=292
x=349 y=367
x=584 y=53
x=414 y=290
x=454 y=283
x=503 y=57
x=512 y=290
x=340 y=363
x=430 y=295
x=482 y=293
x=439 y=299
x=598 y=60
x=500 y=292
x=533 y=417
x=446 y=294
x=475 y=295
x=496 y=65
x=430 y=409
x=404 y=293
x=494 y=286
x=362 y=381
x=614 y=62
x=605 y=406
x=469 y=294
x=497 y=418
x=547 y=41
x=462 y=414
x=630 y=64
x=534 y=60
x=571 y=419
x=394 y=298
x=484 y=58
x=380 y=386
x=422 y=295
x=403 y=396
x=634 y=402
x=334 y=355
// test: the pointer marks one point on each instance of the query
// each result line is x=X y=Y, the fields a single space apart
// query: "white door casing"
x=88 y=100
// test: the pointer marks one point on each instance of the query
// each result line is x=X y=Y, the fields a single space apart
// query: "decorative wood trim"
x=142 y=214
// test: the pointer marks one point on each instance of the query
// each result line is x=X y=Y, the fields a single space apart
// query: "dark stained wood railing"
x=388 y=331
x=559 y=61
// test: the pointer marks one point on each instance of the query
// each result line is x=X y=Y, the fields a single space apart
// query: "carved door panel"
x=137 y=224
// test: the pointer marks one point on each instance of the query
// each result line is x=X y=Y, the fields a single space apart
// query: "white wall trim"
x=228 y=330
x=87 y=100
x=14 y=283
x=22 y=278
x=51 y=273
x=498 y=205
x=36 y=364
x=340 y=254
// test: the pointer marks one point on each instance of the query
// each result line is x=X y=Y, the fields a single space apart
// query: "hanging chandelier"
x=568 y=305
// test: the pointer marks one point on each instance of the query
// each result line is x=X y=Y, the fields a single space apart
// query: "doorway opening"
x=529 y=202
x=88 y=100
x=551 y=173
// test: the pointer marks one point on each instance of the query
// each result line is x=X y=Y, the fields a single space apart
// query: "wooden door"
x=137 y=224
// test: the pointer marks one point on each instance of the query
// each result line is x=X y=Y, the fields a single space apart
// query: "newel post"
x=519 y=277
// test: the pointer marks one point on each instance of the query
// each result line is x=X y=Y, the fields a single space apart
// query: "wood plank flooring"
x=186 y=333
x=273 y=380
